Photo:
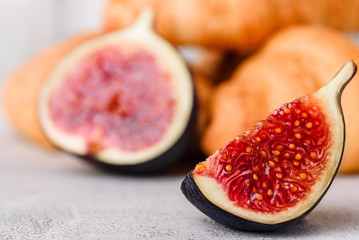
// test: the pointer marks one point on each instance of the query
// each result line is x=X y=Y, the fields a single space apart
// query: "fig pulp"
x=125 y=99
x=278 y=170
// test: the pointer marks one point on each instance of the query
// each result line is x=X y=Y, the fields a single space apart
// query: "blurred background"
x=28 y=26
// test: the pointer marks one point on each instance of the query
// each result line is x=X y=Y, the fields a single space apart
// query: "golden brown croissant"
x=22 y=88
x=294 y=62
x=232 y=24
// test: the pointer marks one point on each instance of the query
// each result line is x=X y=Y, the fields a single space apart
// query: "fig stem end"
x=145 y=20
x=341 y=79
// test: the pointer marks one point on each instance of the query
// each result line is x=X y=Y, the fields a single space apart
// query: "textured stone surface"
x=46 y=195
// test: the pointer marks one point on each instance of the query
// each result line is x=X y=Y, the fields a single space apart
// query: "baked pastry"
x=231 y=24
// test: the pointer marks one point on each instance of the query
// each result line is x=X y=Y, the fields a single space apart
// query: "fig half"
x=277 y=171
x=125 y=99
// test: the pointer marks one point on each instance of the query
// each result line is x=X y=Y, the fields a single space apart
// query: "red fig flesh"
x=133 y=106
x=275 y=163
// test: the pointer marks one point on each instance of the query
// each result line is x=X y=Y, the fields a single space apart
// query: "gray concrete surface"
x=46 y=195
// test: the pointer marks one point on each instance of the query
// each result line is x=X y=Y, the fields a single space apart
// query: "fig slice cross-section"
x=124 y=99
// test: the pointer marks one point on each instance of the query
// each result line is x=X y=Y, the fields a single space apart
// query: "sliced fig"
x=125 y=99
x=277 y=171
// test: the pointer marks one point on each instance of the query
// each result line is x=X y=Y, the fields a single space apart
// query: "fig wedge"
x=276 y=172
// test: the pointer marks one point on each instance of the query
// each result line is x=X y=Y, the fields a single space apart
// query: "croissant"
x=241 y=25
x=295 y=61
